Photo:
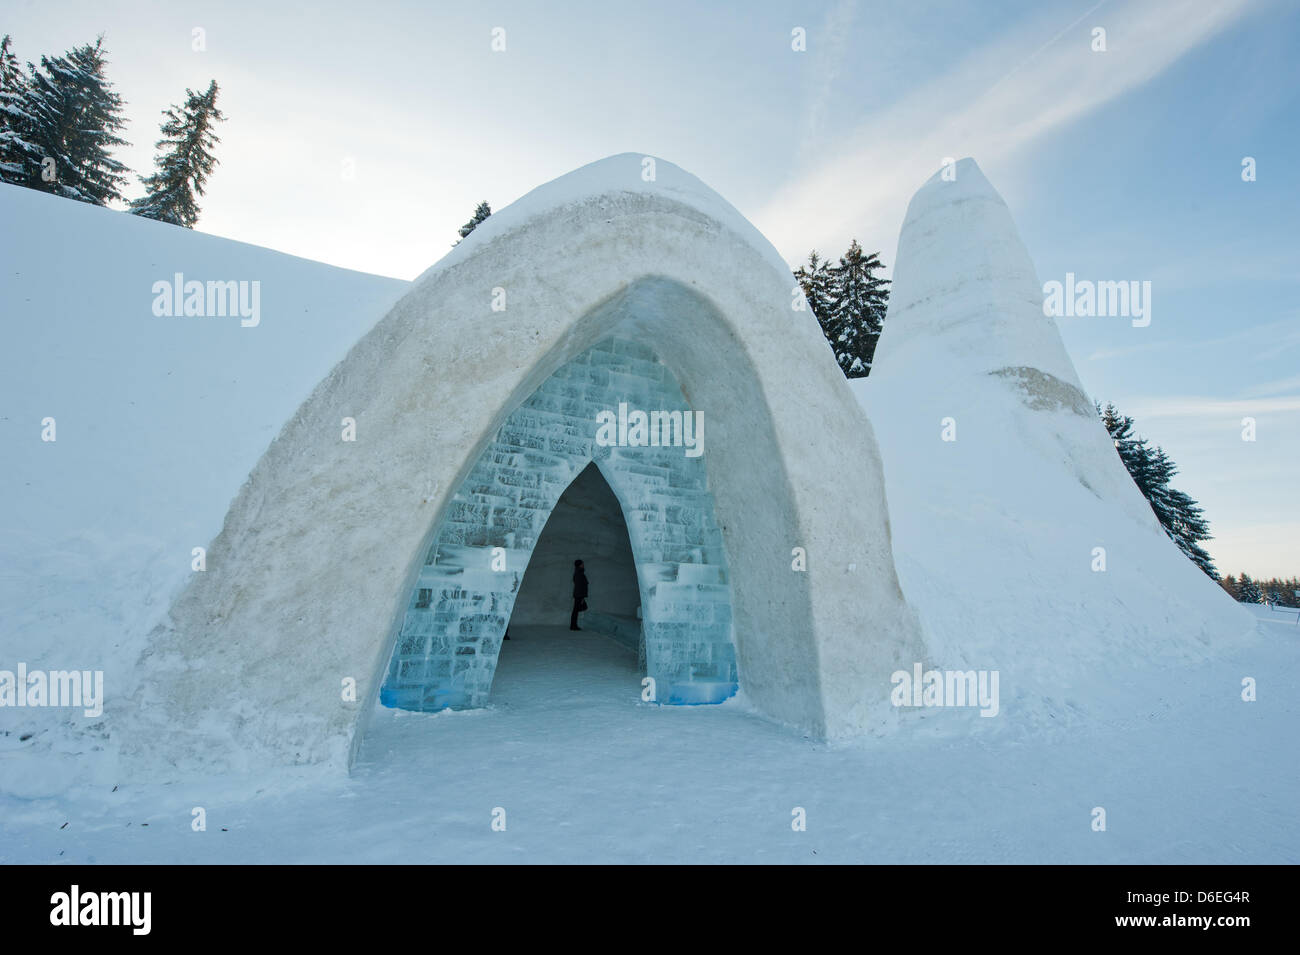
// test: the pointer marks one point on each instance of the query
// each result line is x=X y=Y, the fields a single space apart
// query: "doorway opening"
x=587 y=524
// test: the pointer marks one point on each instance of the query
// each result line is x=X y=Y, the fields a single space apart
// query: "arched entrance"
x=309 y=582
x=618 y=407
x=587 y=524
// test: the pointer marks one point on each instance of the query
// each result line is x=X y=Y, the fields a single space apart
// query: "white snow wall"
x=320 y=551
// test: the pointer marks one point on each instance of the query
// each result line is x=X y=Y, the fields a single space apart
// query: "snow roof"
x=621 y=173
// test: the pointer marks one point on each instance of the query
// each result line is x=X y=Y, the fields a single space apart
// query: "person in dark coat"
x=579 y=594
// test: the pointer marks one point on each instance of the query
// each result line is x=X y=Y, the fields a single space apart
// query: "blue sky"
x=1116 y=165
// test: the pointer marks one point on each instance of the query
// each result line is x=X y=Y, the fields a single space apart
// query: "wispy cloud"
x=1280 y=386
x=834 y=33
x=1123 y=351
x=1269 y=339
x=981 y=109
x=1211 y=408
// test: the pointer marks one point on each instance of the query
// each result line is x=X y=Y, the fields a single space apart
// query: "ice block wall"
x=446 y=649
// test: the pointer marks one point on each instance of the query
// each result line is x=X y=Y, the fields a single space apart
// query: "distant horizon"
x=1135 y=175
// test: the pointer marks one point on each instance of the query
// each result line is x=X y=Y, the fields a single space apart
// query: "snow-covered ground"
x=585 y=772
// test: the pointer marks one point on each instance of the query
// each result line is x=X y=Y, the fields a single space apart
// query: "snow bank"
x=997 y=533
x=158 y=421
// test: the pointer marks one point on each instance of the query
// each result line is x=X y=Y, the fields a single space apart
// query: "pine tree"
x=1249 y=591
x=185 y=160
x=61 y=124
x=13 y=87
x=857 y=310
x=10 y=72
x=815 y=280
x=1133 y=451
x=1152 y=469
x=481 y=212
x=849 y=302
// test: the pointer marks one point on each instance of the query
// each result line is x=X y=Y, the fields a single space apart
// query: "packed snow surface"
x=586 y=772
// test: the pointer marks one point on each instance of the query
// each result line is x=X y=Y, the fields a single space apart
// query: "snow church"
x=779 y=535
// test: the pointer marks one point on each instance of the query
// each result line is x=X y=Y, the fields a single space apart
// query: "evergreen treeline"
x=1151 y=469
x=59 y=123
x=1275 y=590
x=849 y=301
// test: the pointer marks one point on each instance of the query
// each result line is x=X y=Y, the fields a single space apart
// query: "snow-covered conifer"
x=1151 y=469
x=60 y=125
x=481 y=212
x=184 y=162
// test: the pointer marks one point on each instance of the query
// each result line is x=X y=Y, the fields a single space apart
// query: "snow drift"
x=158 y=421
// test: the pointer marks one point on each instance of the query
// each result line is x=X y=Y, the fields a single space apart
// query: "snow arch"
x=446 y=646
x=322 y=548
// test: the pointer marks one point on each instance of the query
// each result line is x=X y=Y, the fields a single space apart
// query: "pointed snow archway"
x=587 y=524
x=276 y=652
x=446 y=647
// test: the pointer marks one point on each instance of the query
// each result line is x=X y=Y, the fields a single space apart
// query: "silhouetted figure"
x=579 y=594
